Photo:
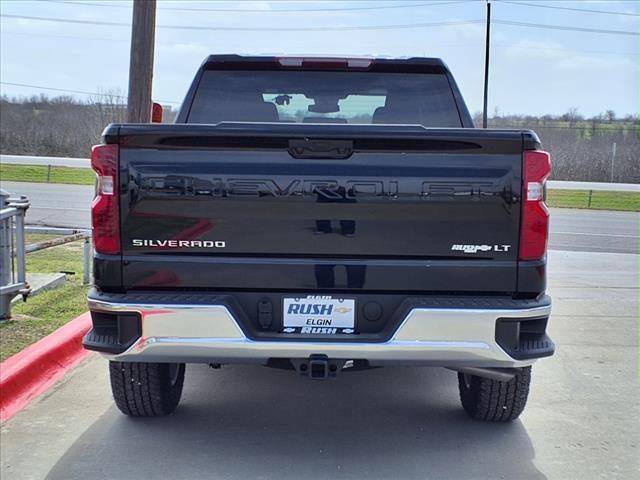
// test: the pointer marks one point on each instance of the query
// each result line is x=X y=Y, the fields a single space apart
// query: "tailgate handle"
x=327 y=149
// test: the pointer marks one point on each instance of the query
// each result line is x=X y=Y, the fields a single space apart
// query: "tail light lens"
x=105 y=217
x=535 y=215
x=156 y=113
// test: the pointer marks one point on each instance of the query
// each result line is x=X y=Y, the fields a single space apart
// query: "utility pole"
x=486 y=66
x=143 y=29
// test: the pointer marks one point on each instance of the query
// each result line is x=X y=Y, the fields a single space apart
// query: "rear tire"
x=494 y=401
x=146 y=389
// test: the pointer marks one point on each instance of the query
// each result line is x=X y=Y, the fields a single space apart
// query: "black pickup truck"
x=320 y=215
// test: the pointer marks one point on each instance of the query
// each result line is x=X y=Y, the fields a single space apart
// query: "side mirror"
x=156 y=113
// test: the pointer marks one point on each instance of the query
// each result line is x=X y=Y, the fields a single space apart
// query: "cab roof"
x=325 y=62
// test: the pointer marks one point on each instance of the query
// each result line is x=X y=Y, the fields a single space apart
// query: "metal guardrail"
x=13 y=277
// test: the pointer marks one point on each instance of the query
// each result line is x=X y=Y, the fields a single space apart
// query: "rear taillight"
x=105 y=218
x=535 y=215
x=156 y=113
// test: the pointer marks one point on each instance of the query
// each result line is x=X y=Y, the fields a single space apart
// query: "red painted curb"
x=32 y=371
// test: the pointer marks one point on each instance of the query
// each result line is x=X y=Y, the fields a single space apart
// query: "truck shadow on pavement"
x=249 y=422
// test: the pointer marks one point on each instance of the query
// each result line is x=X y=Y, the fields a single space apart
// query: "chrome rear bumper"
x=450 y=337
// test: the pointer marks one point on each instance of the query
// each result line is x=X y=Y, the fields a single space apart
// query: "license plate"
x=319 y=315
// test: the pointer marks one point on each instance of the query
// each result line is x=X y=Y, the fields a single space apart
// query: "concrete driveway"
x=246 y=422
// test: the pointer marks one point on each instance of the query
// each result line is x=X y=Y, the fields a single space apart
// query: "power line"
x=251 y=29
x=344 y=9
x=62 y=90
x=566 y=28
x=66 y=20
x=256 y=10
x=381 y=7
x=330 y=28
x=494 y=45
x=567 y=50
x=556 y=7
x=75 y=37
x=81 y=92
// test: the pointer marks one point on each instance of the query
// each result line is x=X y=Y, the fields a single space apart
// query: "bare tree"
x=572 y=116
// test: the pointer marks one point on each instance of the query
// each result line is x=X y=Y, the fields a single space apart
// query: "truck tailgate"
x=269 y=206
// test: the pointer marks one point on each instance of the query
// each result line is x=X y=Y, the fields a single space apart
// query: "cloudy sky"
x=570 y=54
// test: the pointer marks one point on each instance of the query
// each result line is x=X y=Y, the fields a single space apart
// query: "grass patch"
x=44 y=313
x=622 y=201
x=39 y=174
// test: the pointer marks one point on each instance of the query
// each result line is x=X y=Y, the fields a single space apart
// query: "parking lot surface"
x=249 y=422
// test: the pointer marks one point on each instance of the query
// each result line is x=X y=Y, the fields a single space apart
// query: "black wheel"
x=494 y=401
x=146 y=389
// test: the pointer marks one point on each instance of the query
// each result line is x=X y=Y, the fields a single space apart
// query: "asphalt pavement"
x=594 y=231
x=59 y=205
x=55 y=204
x=249 y=422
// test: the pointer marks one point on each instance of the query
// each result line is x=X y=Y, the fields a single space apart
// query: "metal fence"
x=69 y=235
x=12 y=273
x=13 y=249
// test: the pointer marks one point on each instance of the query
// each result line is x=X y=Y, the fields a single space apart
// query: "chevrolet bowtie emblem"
x=343 y=310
